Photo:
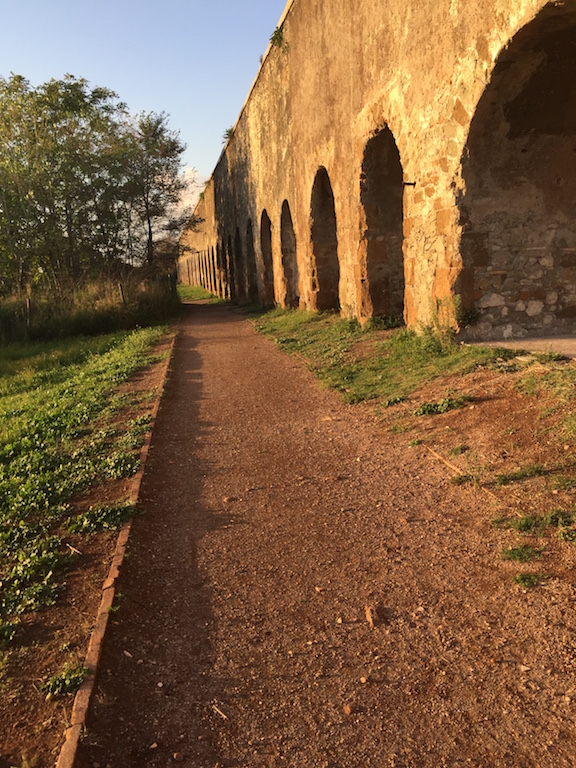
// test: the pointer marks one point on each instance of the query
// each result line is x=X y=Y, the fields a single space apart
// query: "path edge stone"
x=67 y=756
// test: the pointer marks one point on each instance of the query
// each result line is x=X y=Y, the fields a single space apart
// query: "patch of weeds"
x=102 y=518
x=563 y=483
x=461 y=479
x=7 y=632
x=442 y=406
x=522 y=554
x=548 y=357
x=529 y=580
x=277 y=39
x=458 y=450
x=467 y=317
x=523 y=524
x=530 y=385
x=384 y=323
x=399 y=429
x=68 y=681
x=534 y=523
x=567 y=534
x=120 y=463
x=559 y=518
x=415 y=442
x=393 y=401
x=529 y=470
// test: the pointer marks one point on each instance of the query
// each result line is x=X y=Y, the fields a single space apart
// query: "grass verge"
x=371 y=363
x=59 y=435
x=195 y=293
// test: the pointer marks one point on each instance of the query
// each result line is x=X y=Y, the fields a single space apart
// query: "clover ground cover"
x=57 y=437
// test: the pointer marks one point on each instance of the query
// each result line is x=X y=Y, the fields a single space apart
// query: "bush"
x=98 y=307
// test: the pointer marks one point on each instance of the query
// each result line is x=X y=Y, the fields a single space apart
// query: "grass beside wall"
x=195 y=293
x=369 y=363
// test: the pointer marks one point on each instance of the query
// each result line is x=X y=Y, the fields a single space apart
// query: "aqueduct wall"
x=394 y=156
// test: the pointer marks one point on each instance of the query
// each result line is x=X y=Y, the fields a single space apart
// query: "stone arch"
x=289 y=258
x=231 y=270
x=267 y=258
x=213 y=273
x=221 y=269
x=251 y=272
x=518 y=198
x=239 y=268
x=325 y=267
x=381 y=228
x=204 y=271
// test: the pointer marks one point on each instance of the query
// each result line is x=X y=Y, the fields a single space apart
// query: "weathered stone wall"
x=395 y=154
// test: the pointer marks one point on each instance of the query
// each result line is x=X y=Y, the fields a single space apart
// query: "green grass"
x=558 y=518
x=58 y=436
x=195 y=292
x=102 y=518
x=367 y=364
x=458 y=450
x=442 y=406
x=68 y=681
x=521 y=554
x=529 y=580
x=556 y=380
x=523 y=473
x=564 y=483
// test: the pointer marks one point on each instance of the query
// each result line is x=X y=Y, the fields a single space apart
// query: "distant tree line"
x=86 y=188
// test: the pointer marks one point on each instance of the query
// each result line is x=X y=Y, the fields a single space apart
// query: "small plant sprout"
x=277 y=39
x=68 y=681
x=442 y=406
x=461 y=479
x=524 y=473
x=529 y=580
x=521 y=554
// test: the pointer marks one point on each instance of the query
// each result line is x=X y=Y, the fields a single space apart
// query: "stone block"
x=534 y=308
x=491 y=300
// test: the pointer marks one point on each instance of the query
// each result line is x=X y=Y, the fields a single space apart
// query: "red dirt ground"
x=308 y=588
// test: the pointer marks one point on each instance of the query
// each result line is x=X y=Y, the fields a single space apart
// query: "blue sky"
x=194 y=60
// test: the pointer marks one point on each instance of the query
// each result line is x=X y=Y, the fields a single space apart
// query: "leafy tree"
x=156 y=186
x=84 y=186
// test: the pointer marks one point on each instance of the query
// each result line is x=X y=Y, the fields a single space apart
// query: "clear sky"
x=193 y=59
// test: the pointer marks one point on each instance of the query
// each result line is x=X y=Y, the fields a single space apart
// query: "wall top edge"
x=285 y=13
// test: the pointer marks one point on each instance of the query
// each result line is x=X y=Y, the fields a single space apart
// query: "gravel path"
x=306 y=590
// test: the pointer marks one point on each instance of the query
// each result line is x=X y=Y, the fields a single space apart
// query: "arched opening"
x=518 y=200
x=267 y=260
x=221 y=272
x=251 y=278
x=381 y=236
x=289 y=258
x=204 y=271
x=213 y=273
x=239 y=270
x=324 y=242
x=230 y=271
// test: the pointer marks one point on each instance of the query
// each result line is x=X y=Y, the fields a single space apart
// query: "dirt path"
x=274 y=516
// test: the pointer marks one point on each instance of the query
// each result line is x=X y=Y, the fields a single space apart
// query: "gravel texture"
x=307 y=590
